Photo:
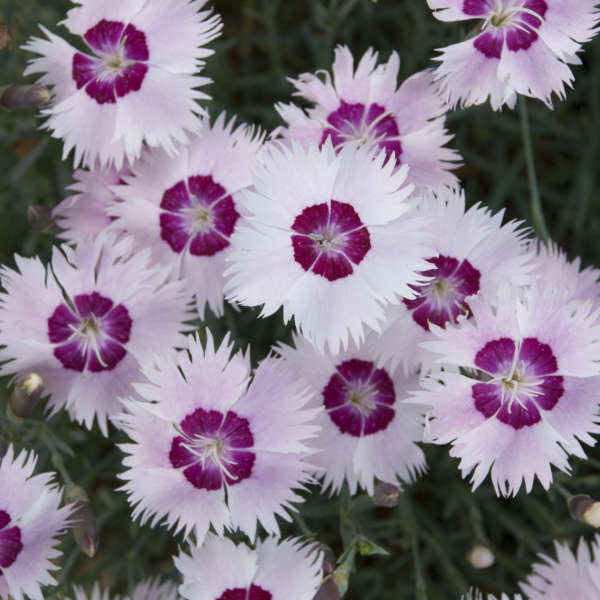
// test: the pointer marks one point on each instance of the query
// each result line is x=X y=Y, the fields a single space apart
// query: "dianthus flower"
x=366 y=107
x=209 y=449
x=521 y=47
x=569 y=576
x=85 y=213
x=135 y=82
x=186 y=208
x=30 y=519
x=98 y=310
x=367 y=432
x=473 y=254
x=149 y=589
x=328 y=238
x=526 y=394
x=288 y=569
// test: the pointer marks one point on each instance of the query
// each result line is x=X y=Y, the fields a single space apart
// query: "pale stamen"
x=88 y=329
x=208 y=448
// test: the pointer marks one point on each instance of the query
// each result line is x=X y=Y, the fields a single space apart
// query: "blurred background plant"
x=440 y=537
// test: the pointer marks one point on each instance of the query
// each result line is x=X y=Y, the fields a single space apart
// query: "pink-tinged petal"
x=61 y=323
x=111 y=354
x=104 y=36
x=174 y=230
x=332 y=266
x=489 y=43
x=206 y=189
x=311 y=219
x=117 y=324
x=102 y=90
x=130 y=79
x=460 y=10
x=176 y=198
x=206 y=477
x=94 y=303
x=135 y=46
x=208 y=244
x=71 y=355
x=241 y=467
x=10 y=545
x=84 y=69
x=538 y=356
x=343 y=216
x=225 y=216
x=202 y=422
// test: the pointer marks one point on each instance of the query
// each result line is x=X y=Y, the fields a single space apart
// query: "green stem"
x=537 y=214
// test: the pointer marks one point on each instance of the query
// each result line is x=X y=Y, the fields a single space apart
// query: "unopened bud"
x=25 y=395
x=386 y=494
x=584 y=508
x=24 y=96
x=328 y=590
x=84 y=522
x=5 y=36
x=40 y=217
x=480 y=556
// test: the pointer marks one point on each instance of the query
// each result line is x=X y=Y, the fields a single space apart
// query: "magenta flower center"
x=359 y=398
x=372 y=126
x=10 y=541
x=91 y=334
x=119 y=64
x=442 y=299
x=213 y=449
x=331 y=239
x=521 y=381
x=254 y=592
x=515 y=21
x=198 y=213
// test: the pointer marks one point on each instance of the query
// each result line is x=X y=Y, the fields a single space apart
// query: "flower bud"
x=25 y=395
x=329 y=589
x=84 y=522
x=386 y=494
x=480 y=556
x=584 y=508
x=5 y=36
x=24 y=96
x=40 y=217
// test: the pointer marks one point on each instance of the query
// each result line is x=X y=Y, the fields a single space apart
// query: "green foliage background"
x=263 y=42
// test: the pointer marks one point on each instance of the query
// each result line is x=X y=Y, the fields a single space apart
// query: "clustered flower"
x=418 y=319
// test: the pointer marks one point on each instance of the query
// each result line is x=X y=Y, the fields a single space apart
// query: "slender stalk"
x=537 y=214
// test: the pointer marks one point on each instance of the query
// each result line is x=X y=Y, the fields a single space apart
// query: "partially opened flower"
x=570 y=575
x=31 y=517
x=329 y=238
x=288 y=569
x=136 y=82
x=474 y=254
x=526 y=395
x=367 y=432
x=522 y=47
x=366 y=107
x=185 y=208
x=149 y=589
x=209 y=449
x=98 y=310
x=85 y=213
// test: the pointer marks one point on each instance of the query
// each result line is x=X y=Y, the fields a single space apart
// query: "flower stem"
x=537 y=214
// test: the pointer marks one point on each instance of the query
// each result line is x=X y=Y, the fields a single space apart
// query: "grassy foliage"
x=263 y=42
